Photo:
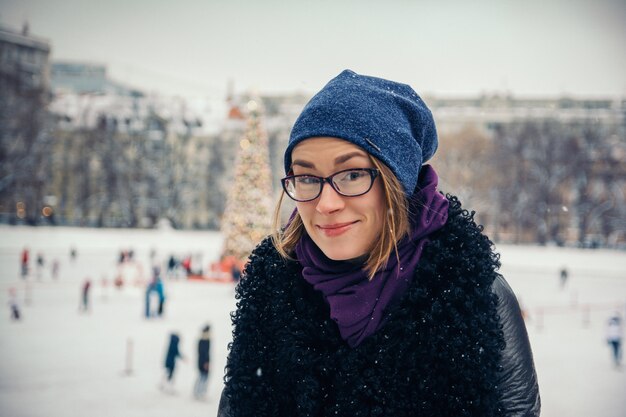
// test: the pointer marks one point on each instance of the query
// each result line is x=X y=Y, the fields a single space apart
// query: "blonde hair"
x=394 y=229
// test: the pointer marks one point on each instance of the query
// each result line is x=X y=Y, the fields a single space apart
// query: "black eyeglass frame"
x=374 y=173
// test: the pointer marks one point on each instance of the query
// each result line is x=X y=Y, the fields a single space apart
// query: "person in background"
x=40 y=265
x=380 y=296
x=147 y=298
x=55 y=269
x=159 y=288
x=173 y=353
x=24 y=262
x=236 y=272
x=186 y=264
x=614 y=334
x=204 y=363
x=85 y=295
x=14 y=304
x=172 y=263
x=563 y=275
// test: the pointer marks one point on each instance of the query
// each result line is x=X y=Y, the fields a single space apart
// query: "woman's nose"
x=329 y=200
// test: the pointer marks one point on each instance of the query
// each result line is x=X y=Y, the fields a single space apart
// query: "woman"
x=380 y=297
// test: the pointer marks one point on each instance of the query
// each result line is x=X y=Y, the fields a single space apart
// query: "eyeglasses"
x=349 y=183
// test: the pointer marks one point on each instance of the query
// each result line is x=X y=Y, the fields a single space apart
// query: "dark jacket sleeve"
x=518 y=380
x=224 y=409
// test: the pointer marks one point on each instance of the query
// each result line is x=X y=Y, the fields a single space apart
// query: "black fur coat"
x=443 y=352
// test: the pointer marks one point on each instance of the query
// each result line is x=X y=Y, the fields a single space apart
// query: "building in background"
x=86 y=78
x=488 y=111
x=24 y=60
x=24 y=145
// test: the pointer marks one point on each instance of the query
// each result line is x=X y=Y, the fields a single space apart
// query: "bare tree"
x=554 y=174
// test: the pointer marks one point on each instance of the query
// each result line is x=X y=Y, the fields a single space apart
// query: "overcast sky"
x=193 y=47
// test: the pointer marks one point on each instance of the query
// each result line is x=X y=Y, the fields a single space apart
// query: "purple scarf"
x=359 y=305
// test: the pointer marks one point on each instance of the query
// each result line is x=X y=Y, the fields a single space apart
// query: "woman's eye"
x=306 y=180
x=352 y=175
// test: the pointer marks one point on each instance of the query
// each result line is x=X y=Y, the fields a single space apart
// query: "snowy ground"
x=59 y=362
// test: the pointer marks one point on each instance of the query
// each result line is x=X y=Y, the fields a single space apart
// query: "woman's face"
x=342 y=227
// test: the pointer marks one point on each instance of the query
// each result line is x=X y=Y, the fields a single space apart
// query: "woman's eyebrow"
x=343 y=158
x=302 y=163
x=338 y=160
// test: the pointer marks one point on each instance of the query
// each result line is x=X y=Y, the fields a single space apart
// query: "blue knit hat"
x=385 y=118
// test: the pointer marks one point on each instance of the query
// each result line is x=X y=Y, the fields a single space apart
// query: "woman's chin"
x=339 y=254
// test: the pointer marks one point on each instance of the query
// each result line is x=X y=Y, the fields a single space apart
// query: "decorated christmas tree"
x=248 y=213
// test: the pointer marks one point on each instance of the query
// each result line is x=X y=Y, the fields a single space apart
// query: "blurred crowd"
x=128 y=271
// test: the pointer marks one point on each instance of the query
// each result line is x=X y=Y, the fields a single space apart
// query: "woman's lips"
x=332 y=230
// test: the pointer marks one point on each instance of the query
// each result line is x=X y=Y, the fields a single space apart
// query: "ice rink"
x=60 y=362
